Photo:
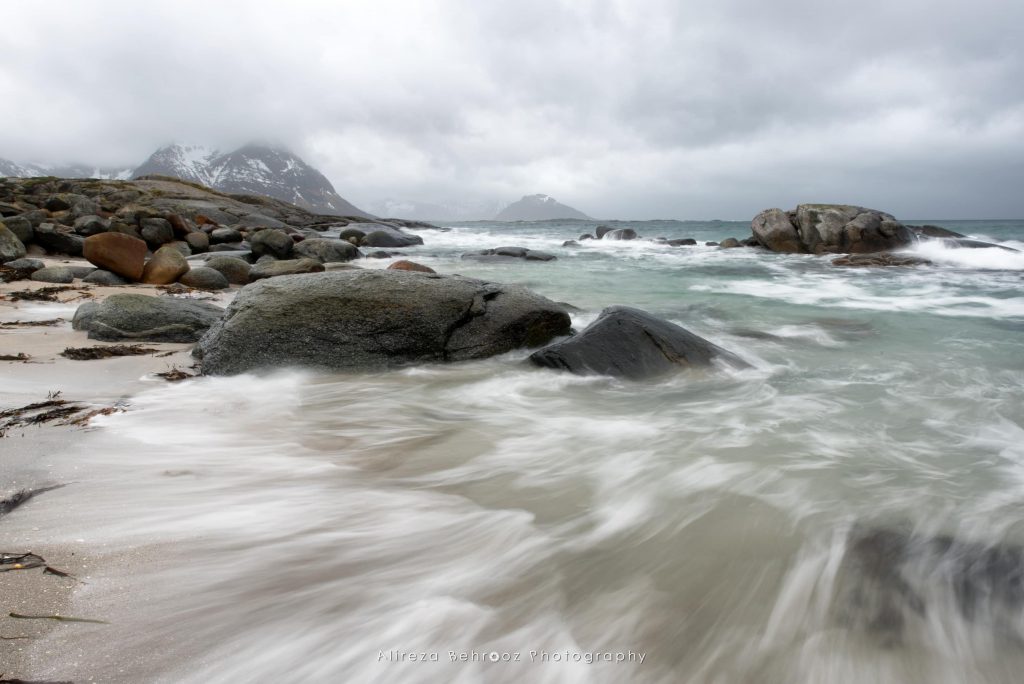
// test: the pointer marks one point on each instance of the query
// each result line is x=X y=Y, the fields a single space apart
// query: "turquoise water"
x=331 y=522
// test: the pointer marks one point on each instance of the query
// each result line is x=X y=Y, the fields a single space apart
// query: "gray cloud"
x=700 y=109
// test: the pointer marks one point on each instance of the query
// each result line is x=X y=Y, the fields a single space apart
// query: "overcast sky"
x=631 y=109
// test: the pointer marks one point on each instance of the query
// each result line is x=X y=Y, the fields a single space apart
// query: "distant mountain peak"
x=254 y=169
x=538 y=207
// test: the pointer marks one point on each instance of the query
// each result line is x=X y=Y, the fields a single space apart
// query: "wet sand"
x=25 y=453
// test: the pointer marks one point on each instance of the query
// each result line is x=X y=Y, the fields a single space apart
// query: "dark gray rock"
x=87 y=226
x=935 y=232
x=235 y=270
x=601 y=231
x=221 y=236
x=272 y=242
x=81 y=271
x=59 y=239
x=25 y=264
x=231 y=247
x=620 y=234
x=54 y=274
x=570 y=243
x=349 y=233
x=682 y=242
x=508 y=254
x=730 y=243
x=327 y=251
x=879 y=259
x=585 y=236
x=711 y=244
x=106 y=278
x=156 y=232
x=374 y=319
x=387 y=236
x=11 y=247
x=205 y=278
x=21 y=227
x=274 y=269
x=630 y=343
x=141 y=317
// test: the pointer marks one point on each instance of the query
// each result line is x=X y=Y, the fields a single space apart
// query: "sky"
x=633 y=109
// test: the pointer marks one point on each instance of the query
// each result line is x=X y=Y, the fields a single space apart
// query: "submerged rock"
x=141 y=317
x=504 y=253
x=880 y=259
x=374 y=319
x=620 y=234
x=630 y=343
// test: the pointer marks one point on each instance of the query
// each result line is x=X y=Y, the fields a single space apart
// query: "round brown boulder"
x=116 y=252
x=404 y=265
x=166 y=266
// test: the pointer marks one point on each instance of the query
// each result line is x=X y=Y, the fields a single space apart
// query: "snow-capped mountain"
x=449 y=210
x=254 y=170
x=538 y=208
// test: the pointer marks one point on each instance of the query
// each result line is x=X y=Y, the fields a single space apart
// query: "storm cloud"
x=633 y=109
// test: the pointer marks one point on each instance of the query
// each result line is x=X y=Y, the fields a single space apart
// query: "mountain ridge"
x=539 y=207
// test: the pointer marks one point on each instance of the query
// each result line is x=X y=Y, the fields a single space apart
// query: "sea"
x=850 y=508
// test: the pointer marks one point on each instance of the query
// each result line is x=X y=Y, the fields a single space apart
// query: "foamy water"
x=308 y=528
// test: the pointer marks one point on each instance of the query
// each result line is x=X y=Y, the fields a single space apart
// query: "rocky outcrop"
x=389 y=236
x=630 y=343
x=373 y=319
x=141 y=317
x=829 y=229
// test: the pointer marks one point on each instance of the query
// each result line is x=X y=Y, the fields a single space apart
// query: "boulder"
x=570 y=243
x=235 y=270
x=198 y=241
x=204 y=278
x=273 y=242
x=54 y=274
x=144 y=318
x=729 y=243
x=630 y=343
x=326 y=250
x=620 y=234
x=59 y=239
x=585 y=236
x=11 y=247
x=601 y=231
x=387 y=236
x=165 y=266
x=350 y=233
x=106 y=278
x=156 y=232
x=273 y=269
x=682 y=242
x=224 y=235
x=711 y=244
x=91 y=225
x=374 y=319
x=29 y=265
x=20 y=226
x=404 y=265
x=935 y=232
x=774 y=230
x=829 y=229
x=118 y=253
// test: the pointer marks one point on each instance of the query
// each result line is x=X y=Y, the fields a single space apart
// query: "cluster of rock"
x=160 y=231
x=830 y=229
x=507 y=253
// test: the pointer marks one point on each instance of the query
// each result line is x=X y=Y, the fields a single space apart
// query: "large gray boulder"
x=141 y=317
x=59 y=239
x=375 y=319
x=387 y=236
x=11 y=247
x=272 y=241
x=327 y=251
x=630 y=343
x=830 y=229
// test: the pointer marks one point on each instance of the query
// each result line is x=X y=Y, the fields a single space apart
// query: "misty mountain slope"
x=538 y=208
x=12 y=170
x=445 y=210
x=251 y=170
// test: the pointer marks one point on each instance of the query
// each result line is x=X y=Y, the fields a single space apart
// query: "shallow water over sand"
x=301 y=527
